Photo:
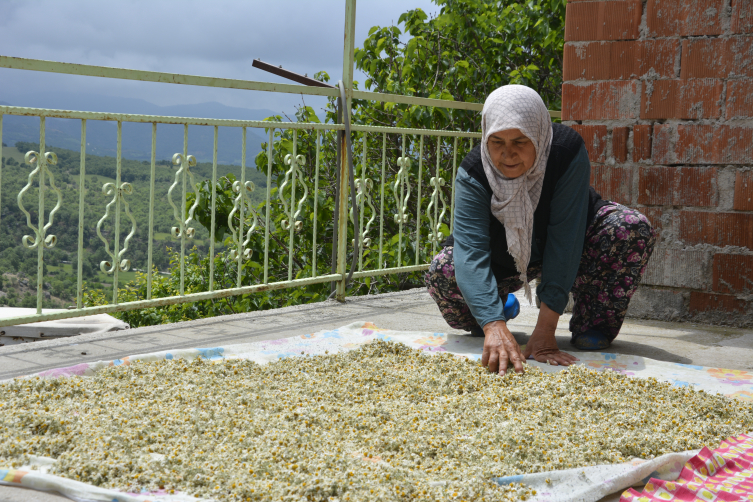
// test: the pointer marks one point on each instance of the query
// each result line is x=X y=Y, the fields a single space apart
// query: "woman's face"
x=511 y=152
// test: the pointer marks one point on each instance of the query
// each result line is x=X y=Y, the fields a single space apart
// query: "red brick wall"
x=662 y=93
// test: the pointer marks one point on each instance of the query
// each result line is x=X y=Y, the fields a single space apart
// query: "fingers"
x=501 y=350
x=516 y=358
x=564 y=358
x=503 y=362
x=500 y=362
x=556 y=358
x=497 y=360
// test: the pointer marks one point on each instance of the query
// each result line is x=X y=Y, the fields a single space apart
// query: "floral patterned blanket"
x=724 y=474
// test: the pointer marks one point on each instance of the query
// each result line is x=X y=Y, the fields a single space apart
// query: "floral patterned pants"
x=617 y=247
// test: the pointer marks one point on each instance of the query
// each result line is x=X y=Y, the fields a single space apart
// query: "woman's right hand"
x=501 y=349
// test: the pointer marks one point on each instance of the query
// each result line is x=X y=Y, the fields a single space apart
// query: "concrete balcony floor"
x=412 y=310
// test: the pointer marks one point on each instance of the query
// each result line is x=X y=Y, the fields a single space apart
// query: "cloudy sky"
x=208 y=37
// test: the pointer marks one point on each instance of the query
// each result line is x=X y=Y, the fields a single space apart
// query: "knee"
x=638 y=227
x=441 y=272
x=443 y=264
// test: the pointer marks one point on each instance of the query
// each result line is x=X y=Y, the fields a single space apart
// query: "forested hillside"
x=18 y=264
x=137 y=137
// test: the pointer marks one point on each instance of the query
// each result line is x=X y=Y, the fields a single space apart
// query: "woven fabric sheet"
x=723 y=474
x=582 y=485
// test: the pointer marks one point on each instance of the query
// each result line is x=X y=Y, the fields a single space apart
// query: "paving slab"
x=411 y=310
x=16 y=494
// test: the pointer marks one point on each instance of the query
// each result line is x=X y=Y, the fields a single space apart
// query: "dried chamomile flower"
x=384 y=422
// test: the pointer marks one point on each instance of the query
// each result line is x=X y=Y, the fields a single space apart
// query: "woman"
x=524 y=209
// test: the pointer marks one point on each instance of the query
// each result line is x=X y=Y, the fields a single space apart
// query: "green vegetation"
x=469 y=49
x=60 y=276
x=67 y=269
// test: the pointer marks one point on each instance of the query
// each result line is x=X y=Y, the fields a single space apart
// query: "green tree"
x=469 y=49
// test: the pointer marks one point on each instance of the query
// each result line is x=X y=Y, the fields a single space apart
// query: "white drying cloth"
x=515 y=199
x=45 y=330
x=572 y=485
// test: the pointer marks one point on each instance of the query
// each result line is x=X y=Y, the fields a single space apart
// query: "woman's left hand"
x=542 y=345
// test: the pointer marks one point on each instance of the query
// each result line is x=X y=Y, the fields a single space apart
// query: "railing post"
x=342 y=231
x=42 y=162
x=81 y=200
x=1 y=167
x=342 y=221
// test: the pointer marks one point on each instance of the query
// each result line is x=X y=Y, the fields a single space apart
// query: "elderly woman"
x=523 y=210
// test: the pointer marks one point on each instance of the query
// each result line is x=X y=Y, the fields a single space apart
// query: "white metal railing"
x=396 y=195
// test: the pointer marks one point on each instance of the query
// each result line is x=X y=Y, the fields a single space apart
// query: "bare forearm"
x=547 y=321
x=542 y=345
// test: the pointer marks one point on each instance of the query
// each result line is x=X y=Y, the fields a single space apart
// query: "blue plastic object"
x=512 y=307
x=591 y=340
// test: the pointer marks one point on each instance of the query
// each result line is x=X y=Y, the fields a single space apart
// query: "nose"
x=507 y=153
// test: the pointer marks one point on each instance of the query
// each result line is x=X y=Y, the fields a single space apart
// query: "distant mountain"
x=101 y=136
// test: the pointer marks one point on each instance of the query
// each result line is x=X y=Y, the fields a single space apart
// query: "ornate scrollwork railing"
x=242 y=200
x=393 y=239
x=292 y=177
x=401 y=188
x=435 y=222
x=118 y=195
x=185 y=163
x=363 y=197
x=40 y=231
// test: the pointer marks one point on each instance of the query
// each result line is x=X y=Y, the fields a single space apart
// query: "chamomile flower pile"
x=384 y=422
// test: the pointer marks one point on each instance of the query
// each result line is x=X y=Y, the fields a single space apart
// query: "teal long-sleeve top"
x=561 y=254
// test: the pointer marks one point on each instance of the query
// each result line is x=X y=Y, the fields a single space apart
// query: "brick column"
x=662 y=93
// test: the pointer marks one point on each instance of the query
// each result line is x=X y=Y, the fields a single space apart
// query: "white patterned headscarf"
x=514 y=200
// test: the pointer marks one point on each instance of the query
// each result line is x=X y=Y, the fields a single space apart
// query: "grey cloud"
x=217 y=38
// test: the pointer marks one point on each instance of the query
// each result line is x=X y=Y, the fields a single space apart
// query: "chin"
x=512 y=173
